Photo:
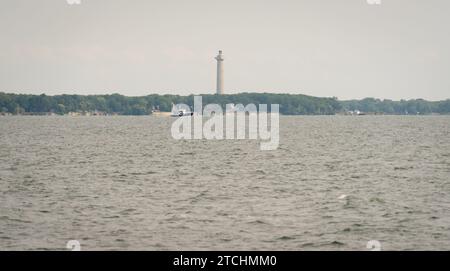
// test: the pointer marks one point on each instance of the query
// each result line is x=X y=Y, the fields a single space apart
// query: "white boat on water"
x=180 y=112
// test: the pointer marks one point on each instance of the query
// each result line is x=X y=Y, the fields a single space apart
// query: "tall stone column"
x=220 y=60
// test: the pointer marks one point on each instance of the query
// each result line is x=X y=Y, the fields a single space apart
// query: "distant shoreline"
x=168 y=115
x=290 y=104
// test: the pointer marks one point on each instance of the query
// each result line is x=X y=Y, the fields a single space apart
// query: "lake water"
x=123 y=183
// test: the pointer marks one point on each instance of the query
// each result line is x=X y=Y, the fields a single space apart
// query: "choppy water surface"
x=123 y=183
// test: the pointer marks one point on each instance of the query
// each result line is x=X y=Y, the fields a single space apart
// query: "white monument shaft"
x=220 y=60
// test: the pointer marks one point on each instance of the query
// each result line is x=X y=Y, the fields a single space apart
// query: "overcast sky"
x=344 y=48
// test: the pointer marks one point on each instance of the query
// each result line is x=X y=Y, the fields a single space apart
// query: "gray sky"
x=344 y=48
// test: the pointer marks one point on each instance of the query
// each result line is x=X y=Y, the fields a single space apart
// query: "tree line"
x=402 y=107
x=290 y=104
